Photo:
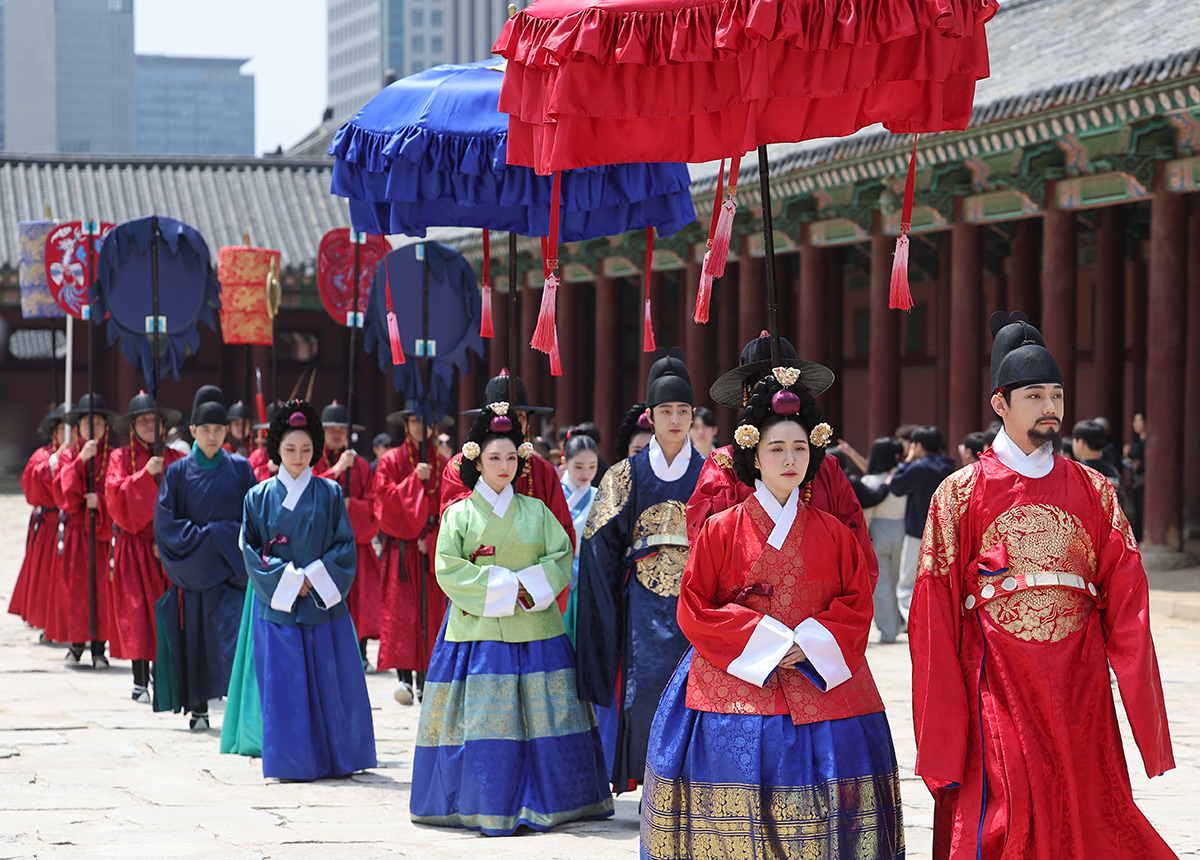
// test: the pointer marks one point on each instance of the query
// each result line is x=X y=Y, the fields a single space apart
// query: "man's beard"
x=1038 y=436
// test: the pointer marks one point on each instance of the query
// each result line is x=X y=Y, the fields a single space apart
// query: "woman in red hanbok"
x=770 y=740
x=131 y=492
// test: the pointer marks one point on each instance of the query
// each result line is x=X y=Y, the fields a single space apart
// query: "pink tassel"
x=648 y=334
x=714 y=260
x=704 y=294
x=555 y=357
x=900 y=296
x=543 y=335
x=485 y=324
x=394 y=338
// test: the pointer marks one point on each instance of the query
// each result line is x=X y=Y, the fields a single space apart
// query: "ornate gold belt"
x=1012 y=584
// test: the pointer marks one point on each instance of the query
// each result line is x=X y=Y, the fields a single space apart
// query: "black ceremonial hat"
x=669 y=380
x=208 y=406
x=335 y=415
x=731 y=388
x=96 y=404
x=1019 y=354
x=497 y=392
x=54 y=417
x=143 y=404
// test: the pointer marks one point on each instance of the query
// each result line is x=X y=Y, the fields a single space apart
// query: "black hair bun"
x=482 y=432
x=758 y=413
x=295 y=415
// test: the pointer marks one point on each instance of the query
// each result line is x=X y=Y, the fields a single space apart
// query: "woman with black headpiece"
x=634 y=432
x=770 y=740
x=504 y=740
x=300 y=557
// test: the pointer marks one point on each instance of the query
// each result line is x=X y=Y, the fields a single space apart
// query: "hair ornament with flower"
x=786 y=376
x=821 y=435
x=500 y=407
x=470 y=450
x=525 y=450
x=746 y=436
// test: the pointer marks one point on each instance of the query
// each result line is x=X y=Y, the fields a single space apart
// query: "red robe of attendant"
x=137 y=580
x=718 y=489
x=741 y=600
x=365 y=598
x=39 y=481
x=261 y=464
x=539 y=480
x=1016 y=728
x=408 y=510
x=42 y=537
x=69 y=617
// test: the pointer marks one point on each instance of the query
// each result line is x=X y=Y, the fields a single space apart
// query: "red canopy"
x=616 y=81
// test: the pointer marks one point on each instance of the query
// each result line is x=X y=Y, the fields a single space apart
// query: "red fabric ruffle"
x=656 y=34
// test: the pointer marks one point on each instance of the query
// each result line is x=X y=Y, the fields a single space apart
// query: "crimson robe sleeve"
x=401 y=503
x=716 y=491
x=131 y=498
x=844 y=506
x=453 y=489
x=72 y=483
x=848 y=616
x=1128 y=644
x=45 y=475
x=31 y=486
x=940 y=710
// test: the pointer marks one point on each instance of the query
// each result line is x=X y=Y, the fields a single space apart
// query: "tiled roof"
x=284 y=203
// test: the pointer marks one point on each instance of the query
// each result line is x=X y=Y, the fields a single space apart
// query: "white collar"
x=678 y=467
x=1035 y=465
x=782 y=515
x=577 y=494
x=499 y=501
x=295 y=486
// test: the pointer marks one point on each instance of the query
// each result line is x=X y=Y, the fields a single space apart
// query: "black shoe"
x=141 y=694
x=198 y=723
x=73 y=655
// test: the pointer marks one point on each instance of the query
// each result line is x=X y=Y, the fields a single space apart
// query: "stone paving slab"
x=90 y=774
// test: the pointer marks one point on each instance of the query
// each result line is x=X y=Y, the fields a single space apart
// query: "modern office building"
x=194 y=106
x=70 y=80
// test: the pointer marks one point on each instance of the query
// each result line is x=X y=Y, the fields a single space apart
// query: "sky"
x=285 y=40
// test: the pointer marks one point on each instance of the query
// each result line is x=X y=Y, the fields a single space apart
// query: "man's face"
x=671 y=422
x=239 y=429
x=335 y=437
x=143 y=426
x=413 y=427
x=88 y=431
x=209 y=438
x=1032 y=412
x=702 y=435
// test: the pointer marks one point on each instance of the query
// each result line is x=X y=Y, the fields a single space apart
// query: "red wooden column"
x=752 y=303
x=1023 y=279
x=883 y=365
x=1165 y=356
x=697 y=343
x=811 y=311
x=1060 y=295
x=604 y=403
x=1108 y=340
x=966 y=328
x=729 y=347
x=531 y=360
x=1191 y=396
x=1136 y=306
x=942 y=304
x=565 y=385
x=835 y=342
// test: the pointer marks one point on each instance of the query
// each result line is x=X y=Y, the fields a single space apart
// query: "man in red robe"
x=718 y=488
x=408 y=492
x=131 y=492
x=1030 y=586
x=340 y=463
x=73 y=618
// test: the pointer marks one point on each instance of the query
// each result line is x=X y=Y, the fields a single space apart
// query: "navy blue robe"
x=632 y=558
x=196 y=524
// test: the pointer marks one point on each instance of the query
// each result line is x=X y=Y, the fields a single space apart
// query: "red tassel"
x=543 y=335
x=648 y=336
x=900 y=297
x=714 y=260
x=485 y=324
x=703 y=295
x=392 y=323
x=555 y=357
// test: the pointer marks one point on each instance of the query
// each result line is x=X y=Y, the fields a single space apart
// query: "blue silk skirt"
x=504 y=740
x=725 y=786
x=316 y=717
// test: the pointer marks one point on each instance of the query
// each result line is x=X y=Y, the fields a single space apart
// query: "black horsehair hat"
x=56 y=416
x=669 y=380
x=208 y=407
x=335 y=415
x=401 y=416
x=732 y=388
x=1019 y=354
x=497 y=392
x=143 y=404
x=237 y=412
x=96 y=404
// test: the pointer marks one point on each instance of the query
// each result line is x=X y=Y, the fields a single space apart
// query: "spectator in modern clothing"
x=971 y=447
x=380 y=445
x=1135 y=462
x=925 y=467
x=904 y=434
x=989 y=435
x=885 y=525
x=704 y=431
x=1087 y=443
x=1109 y=452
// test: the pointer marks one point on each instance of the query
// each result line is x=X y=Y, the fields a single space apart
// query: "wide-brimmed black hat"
x=53 y=418
x=497 y=392
x=398 y=418
x=335 y=415
x=208 y=407
x=96 y=404
x=1019 y=354
x=237 y=412
x=143 y=404
x=272 y=408
x=731 y=388
x=669 y=380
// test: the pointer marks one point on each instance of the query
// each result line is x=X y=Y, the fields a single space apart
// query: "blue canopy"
x=430 y=150
x=453 y=322
x=188 y=292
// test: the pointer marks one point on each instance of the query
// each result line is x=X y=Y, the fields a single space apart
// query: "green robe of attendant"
x=528 y=534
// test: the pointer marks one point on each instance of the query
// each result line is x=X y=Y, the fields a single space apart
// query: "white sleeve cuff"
x=768 y=643
x=501 y=593
x=319 y=577
x=823 y=651
x=535 y=582
x=288 y=589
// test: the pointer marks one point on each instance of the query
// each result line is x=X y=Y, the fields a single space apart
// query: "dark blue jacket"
x=918 y=480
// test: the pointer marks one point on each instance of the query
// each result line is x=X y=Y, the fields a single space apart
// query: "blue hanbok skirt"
x=316 y=716
x=725 y=786
x=504 y=740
